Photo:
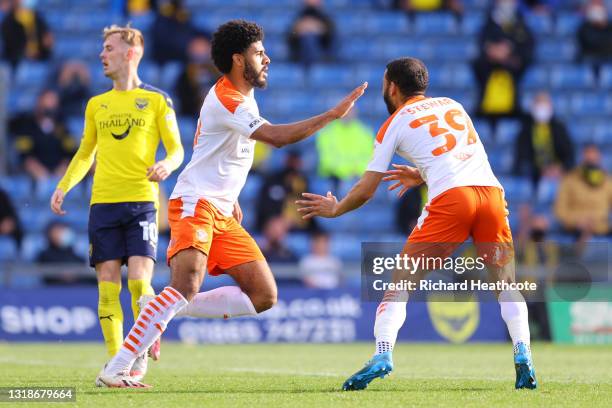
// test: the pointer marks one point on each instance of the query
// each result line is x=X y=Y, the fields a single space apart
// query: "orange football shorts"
x=200 y=225
x=455 y=215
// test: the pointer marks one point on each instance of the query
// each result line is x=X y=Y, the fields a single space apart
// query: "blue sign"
x=301 y=315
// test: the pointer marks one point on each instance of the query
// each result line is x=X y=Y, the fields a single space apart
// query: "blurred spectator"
x=42 y=139
x=585 y=197
x=595 y=35
x=345 y=148
x=60 y=241
x=60 y=251
x=279 y=192
x=543 y=146
x=418 y=6
x=25 y=34
x=9 y=220
x=274 y=248
x=312 y=35
x=138 y=7
x=320 y=269
x=409 y=208
x=171 y=32
x=506 y=50
x=74 y=88
x=198 y=76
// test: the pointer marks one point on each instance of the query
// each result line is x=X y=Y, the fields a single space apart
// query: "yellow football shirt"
x=122 y=130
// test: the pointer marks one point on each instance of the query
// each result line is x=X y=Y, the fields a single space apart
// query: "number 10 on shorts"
x=149 y=232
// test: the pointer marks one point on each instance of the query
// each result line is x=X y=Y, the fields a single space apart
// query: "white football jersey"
x=222 y=149
x=438 y=137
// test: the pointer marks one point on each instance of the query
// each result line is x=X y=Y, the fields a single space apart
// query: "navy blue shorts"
x=121 y=230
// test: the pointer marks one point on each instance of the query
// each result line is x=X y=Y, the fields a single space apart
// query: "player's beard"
x=253 y=77
x=390 y=107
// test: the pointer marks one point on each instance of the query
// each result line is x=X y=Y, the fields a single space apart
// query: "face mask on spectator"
x=542 y=112
x=538 y=235
x=29 y=4
x=504 y=12
x=593 y=174
x=597 y=15
x=66 y=238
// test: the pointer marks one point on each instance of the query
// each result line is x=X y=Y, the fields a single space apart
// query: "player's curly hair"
x=233 y=37
x=409 y=74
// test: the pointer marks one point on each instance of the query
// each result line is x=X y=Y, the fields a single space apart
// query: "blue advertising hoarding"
x=301 y=315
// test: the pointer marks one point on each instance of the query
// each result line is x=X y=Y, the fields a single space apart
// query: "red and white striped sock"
x=150 y=324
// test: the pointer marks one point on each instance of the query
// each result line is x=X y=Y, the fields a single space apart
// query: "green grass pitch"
x=311 y=375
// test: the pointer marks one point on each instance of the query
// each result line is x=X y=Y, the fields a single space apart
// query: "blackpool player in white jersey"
x=465 y=199
x=204 y=213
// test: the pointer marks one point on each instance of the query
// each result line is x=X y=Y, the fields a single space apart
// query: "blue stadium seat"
x=275 y=22
x=535 y=77
x=391 y=48
x=572 y=77
x=277 y=48
x=168 y=75
x=32 y=245
x=361 y=47
x=483 y=128
x=8 y=250
x=554 y=50
x=43 y=189
x=603 y=134
x=506 y=133
x=568 y=23
x=142 y=21
x=35 y=218
x=21 y=100
x=346 y=246
x=348 y=23
x=581 y=131
x=149 y=73
x=298 y=243
x=540 y=24
x=250 y=191
x=591 y=103
x=518 y=189
x=187 y=127
x=472 y=22
x=19 y=188
x=31 y=75
x=387 y=23
x=435 y=24
x=286 y=76
x=605 y=77
x=325 y=76
x=454 y=49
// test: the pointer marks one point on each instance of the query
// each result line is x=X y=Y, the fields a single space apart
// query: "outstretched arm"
x=282 y=135
x=328 y=206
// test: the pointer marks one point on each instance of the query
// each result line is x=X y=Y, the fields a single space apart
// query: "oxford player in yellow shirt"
x=123 y=128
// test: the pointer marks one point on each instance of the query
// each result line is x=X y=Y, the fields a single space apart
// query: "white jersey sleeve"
x=385 y=147
x=246 y=119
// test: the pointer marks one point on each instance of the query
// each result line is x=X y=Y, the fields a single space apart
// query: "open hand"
x=406 y=176
x=345 y=105
x=317 y=205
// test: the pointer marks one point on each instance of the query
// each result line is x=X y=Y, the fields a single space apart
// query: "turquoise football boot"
x=379 y=366
x=525 y=372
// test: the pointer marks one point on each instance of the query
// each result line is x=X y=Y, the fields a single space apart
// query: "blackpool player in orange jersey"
x=204 y=213
x=465 y=199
